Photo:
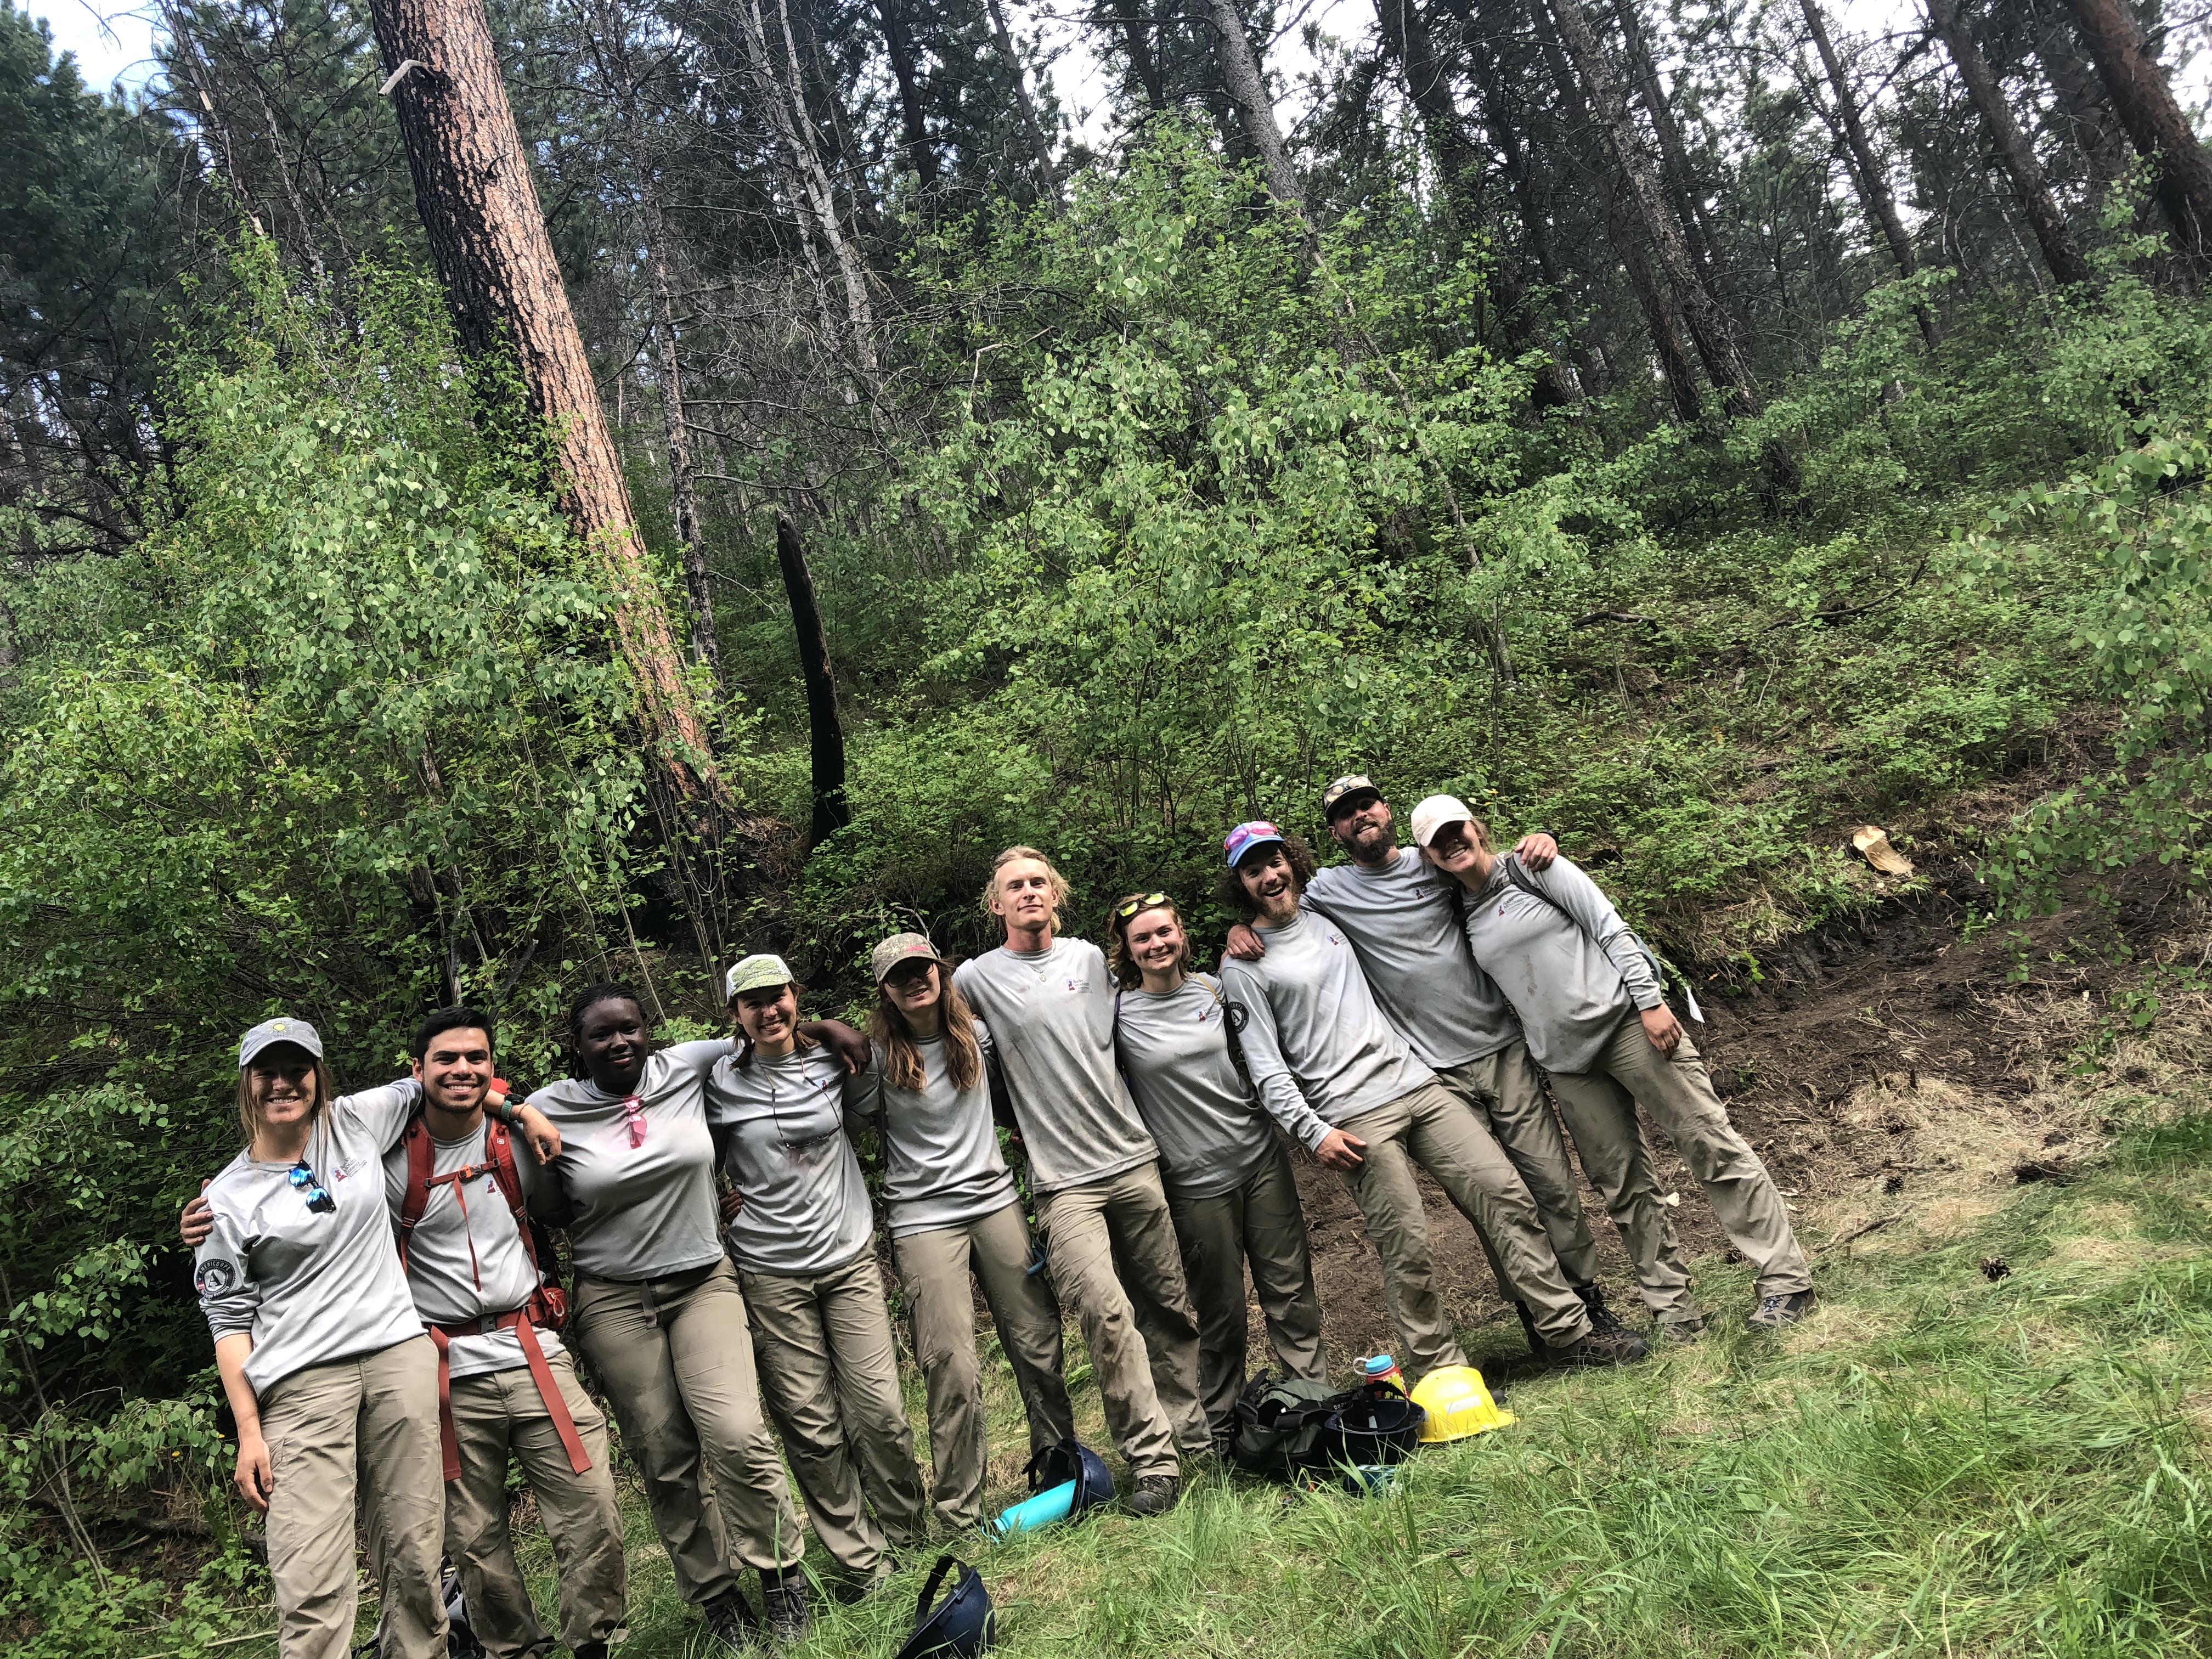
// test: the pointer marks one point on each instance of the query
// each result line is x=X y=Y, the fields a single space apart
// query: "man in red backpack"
x=459 y=1187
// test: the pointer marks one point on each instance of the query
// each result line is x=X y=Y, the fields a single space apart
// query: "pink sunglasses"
x=633 y=1109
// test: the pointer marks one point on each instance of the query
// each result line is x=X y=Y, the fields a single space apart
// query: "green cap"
x=756 y=973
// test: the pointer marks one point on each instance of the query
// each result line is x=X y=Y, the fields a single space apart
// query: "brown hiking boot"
x=1620 y=1347
x=1774 y=1312
x=1156 y=1494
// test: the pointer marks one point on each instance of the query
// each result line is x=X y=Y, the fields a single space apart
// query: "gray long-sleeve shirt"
x=453 y=1285
x=648 y=1211
x=1320 y=1050
x=1570 y=968
x=1051 y=1012
x=940 y=1145
x=1175 y=1051
x=311 y=1288
x=1403 y=923
x=781 y=1127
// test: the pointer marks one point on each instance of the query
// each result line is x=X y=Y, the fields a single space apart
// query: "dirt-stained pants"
x=830 y=1371
x=1430 y=1126
x=1600 y=1108
x=1259 y=1223
x=934 y=1268
x=1508 y=1090
x=1112 y=1246
x=677 y=1358
x=366 y=1425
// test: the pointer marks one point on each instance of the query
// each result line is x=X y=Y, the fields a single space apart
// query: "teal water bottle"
x=1032 y=1513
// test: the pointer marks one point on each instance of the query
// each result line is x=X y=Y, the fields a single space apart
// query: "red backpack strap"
x=420 y=1158
x=499 y=1149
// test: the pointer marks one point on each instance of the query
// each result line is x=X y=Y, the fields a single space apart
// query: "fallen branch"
x=1595 y=617
x=1864 y=1228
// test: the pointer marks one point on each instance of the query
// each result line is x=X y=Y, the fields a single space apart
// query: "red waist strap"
x=549 y=1390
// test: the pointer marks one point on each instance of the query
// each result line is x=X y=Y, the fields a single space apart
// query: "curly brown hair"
x=1229 y=889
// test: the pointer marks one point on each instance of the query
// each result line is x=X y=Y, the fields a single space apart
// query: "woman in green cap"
x=802 y=1232
x=953 y=1209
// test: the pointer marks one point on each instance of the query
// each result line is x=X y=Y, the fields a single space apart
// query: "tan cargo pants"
x=677 y=1358
x=498 y=1414
x=934 y=1268
x=830 y=1372
x=366 y=1425
x=1112 y=1246
x=1261 y=1224
x=1431 y=1128
x=1508 y=1090
x=1600 y=1108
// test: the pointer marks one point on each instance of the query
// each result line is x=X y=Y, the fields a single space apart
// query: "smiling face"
x=611 y=1042
x=1157 y=943
x=1363 y=826
x=456 y=1068
x=913 y=986
x=1454 y=849
x=1023 y=894
x=283 y=1080
x=1270 y=882
x=769 y=1016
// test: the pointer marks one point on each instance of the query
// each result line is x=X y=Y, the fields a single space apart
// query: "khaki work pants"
x=1431 y=1128
x=498 y=1414
x=366 y=1425
x=1259 y=1224
x=1112 y=1246
x=677 y=1358
x=1600 y=1108
x=1508 y=1090
x=830 y=1372
x=934 y=1268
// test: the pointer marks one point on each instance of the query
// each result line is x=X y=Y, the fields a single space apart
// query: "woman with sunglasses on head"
x=953 y=1208
x=658 y=1312
x=803 y=1234
x=1231 y=1192
x=324 y=1359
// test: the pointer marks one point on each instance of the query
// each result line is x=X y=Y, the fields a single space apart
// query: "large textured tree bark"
x=1428 y=83
x=2154 y=119
x=1247 y=89
x=487 y=234
x=1675 y=171
x=2060 y=251
x=826 y=733
x=1709 y=326
x=1048 y=181
x=898 y=40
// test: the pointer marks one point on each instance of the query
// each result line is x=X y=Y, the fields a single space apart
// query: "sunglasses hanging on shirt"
x=302 y=1178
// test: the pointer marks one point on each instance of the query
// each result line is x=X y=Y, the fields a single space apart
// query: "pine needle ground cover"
x=1938 y=1462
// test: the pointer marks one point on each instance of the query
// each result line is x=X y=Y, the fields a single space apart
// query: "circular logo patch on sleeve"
x=214 y=1279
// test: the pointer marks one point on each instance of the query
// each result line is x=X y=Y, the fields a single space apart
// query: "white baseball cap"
x=1433 y=814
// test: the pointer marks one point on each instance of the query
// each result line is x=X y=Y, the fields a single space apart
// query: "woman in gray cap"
x=322 y=1355
x=952 y=1209
x=802 y=1232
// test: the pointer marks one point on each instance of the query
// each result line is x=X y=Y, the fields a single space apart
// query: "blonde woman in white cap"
x=1595 y=1015
x=952 y=1208
x=802 y=1231
x=324 y=1359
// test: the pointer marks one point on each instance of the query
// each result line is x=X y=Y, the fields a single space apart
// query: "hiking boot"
x=731 y=1621
x=588 y=1650
x=1773 y=1312
x=1620 y=1346
x=1676 y=1330
x=783 y=1605
x=1601 y=1318
x=1156 y=1494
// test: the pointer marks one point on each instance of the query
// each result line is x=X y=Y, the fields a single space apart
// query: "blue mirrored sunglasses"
x=303 y=1181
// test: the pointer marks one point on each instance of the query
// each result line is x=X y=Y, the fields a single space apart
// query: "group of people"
x=373 y=1265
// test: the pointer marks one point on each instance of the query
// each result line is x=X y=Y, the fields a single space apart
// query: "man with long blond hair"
x=1049 y=1004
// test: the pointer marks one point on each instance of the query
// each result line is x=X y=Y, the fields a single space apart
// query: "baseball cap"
x=270 y=1032
x=1246 y=836
x=1350 y=784
x=900 y=947
x=756 y=973
x=1433 y=814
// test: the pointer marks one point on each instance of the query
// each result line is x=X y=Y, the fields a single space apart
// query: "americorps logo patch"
x=215 y=1278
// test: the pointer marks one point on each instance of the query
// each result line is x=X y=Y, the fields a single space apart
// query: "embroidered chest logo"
x=1078 y=985
x=1336 y=939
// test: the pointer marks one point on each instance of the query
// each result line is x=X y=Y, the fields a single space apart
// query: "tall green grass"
x=1935 y=1464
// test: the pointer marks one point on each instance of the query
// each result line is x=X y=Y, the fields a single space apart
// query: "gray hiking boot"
x=731 y=1622
x=1620 y=1346
x=1773 y=1312
x=1156 y=1494
x=783 y=1605
x=1673 y=1332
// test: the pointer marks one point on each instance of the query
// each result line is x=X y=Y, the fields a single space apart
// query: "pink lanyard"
x=633 y=1110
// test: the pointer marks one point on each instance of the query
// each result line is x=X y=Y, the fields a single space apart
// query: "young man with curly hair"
x=1336 y=1075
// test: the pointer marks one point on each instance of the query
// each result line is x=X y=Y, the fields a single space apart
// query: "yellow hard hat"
x=1458 y=1405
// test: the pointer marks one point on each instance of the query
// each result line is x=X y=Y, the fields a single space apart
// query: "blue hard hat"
x=1071 y=1459
x=961 y=1624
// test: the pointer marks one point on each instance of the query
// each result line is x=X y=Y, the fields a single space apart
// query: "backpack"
x=549 y=1308
x=1233 y=1016
x=1669 y=976
x=1282 y=1426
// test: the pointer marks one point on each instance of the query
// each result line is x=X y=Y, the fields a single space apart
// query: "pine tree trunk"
x=2154 y=119
x=2060 y=251
x=1666 y=340
x=1247 y=89
x=1673 y=154
x=487 y=234
x=1137 y=37
x=2088 y=111
x=898 y=41
x=1048 y=182
x=826 y=732
x=1709 y=326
